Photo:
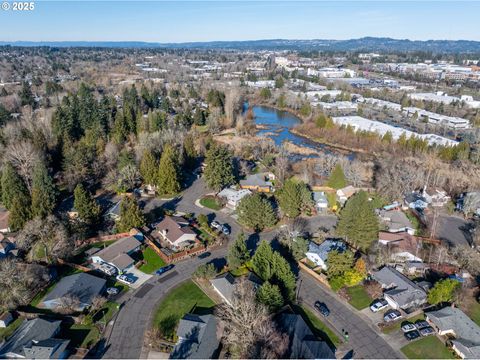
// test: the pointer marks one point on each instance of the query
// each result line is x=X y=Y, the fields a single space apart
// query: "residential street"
x=363 y=339
x=126 y=339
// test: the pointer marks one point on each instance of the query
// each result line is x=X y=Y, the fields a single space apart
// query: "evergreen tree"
x=256 y=212
x=238 y=253
x=358 y=222
x=19 y=211
x=12 y=185
x=339 y=262
x=148 y=168
x=219 y=167
x=293 y=197
x=44 y=194
x=26 y=95
x=86 y=206
x=337 y=178
x=262 y=261
x=189 y=151
x=130 y=215
x=283 y=276
x=169 y=176
x=271 y=296
x=443 y=291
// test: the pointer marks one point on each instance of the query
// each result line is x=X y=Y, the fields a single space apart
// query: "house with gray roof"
x=318 y=254
x=303 y=343
x=261 y=182
x=400 y=292
x=118 y=253
x=35 y=339
x=321 y=201
x=197 y=337
x=224 y=285
x=81 y=286
x=453 y=322
x=396 y=221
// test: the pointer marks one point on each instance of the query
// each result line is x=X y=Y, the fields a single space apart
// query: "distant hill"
x=362 y=44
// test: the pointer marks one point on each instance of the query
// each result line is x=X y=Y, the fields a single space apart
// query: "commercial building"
x=437 y=119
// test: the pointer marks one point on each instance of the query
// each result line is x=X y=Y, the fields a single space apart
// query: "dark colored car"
x=204 y=255
x=225 y=229
x=420 y=324
x=322 y=308
x=411 y=335
x=164 y=269
x=426 y=331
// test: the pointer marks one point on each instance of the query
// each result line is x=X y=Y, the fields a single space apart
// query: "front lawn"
x=211 y=202
x=183 y=299
x=474 y=313
x=6 y=332
x=359 y=298
x=429 y=347
x=319 y=328
x=152 y=261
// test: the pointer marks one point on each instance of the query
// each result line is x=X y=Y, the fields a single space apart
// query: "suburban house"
x=303 y=344
x=35 y=339
x=82 y=286
x=118 y=253
x=224 y=285
x=321 y=201
x=233 y=196
x=4 y=217
x=400 y=292
x=453 y=322
x=436 y=197
x=261 y=182
x=401 y=246
x=176 y=231
x=5 y=319
x=414 y=200
x=5 y=246
x=318 y=254
x=197 y=338
x=345 y=193
x=396 y=221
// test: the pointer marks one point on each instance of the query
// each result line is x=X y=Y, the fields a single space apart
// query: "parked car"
x=411 y=335
x=426 y=331
x=164 y=269
x=420 y=324
x=378 y=305
x=322 y=308
x=125 y=279
x=392 y=315
x=408 y=327
x=204 y=255
x=108 y=269
x=225 y=229
x=112 y=291
x=216 y=225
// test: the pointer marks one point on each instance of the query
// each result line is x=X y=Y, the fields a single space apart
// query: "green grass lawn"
x=318 y=327
x=6 y=332
x=211 y=203
x=359 y=297
x=474 y=313
x=152 y=261
x=398 y=324
x=82 y=336
x=187 y=297
x=429 y=347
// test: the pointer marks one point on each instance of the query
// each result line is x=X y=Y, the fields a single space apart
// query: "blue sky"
x=181 y=21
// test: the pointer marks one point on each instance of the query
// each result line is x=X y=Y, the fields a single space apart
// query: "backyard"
x=152 y=261
x=427 y=348
x=183 y=299
x=359 y=298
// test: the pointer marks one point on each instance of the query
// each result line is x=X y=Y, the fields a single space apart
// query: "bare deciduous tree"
x=23 y=157
x=68 y=304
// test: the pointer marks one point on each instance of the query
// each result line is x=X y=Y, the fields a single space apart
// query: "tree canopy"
x=256 y=212
x=219 y=167
x=130 y=215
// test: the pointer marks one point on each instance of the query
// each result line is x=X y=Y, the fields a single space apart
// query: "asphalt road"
x=365 y=342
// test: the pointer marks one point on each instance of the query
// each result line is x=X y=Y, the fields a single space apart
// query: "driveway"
x=453 y=230
x=141 y=277
x=364 y=340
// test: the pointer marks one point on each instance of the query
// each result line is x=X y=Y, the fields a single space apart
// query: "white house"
x=318 y=254
x=176 y=231
x=345 y=193
x=321 y=201
x=233 y=196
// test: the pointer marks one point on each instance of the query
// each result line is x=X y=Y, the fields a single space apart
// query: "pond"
x=276 y=125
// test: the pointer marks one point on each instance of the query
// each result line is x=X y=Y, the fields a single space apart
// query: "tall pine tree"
x=86 y=206
x=130 y=215
x=149 y=168
x=238 y=254
x=219 y=167
x=12 y=185
x=44 y=194
x=337 y=178
x=169 y=176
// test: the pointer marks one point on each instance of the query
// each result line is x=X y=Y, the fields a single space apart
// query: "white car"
x=216 y=225
x=378 y=305
x=392 y=315
x=108 y=269
x=112 y=291
x=408 y=327
x=125 y=279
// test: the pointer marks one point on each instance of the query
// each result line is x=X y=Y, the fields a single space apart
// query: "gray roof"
x=325 y=247
x=259 y=179
x=197 y=337
x=225 y=285
x=117 y=253
x=303 y=344
x=319 y=196
x=467 y=333
x=395 y=219
x=403 y=290
x=34 y=339
x=82 y=285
